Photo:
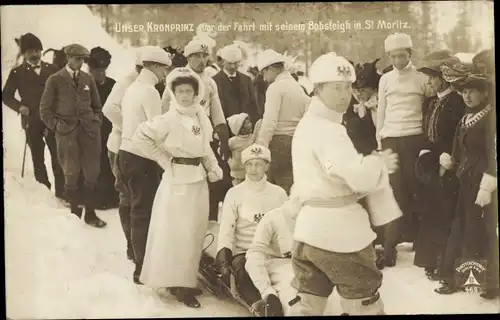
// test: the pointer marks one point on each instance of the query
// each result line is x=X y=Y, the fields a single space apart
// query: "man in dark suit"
x=71 y=107
x=235 y=89
x=29 y=80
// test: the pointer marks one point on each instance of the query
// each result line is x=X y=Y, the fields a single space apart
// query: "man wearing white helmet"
x=112 y=110
x=285 y=105
x=215 y=67
x=235 y=88
x=139 y=173
x=197 y=52
x=399 y=127
x=333 y=236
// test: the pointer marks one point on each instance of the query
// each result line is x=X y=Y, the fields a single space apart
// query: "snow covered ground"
x=57 y=267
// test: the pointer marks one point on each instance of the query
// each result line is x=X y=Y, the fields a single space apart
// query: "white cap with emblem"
x=331 y=67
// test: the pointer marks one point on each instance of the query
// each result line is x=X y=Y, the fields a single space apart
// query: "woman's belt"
x=335 y=202
x=187 y=161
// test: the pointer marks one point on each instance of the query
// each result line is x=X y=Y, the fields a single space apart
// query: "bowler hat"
x=29 y=41
x=76 y=50
x=99 y=58
x=433 y=61
x=367 y=75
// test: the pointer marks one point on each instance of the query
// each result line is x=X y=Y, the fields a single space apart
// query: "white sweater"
x=329 y=168
x=141 y=103
x=112 y=110
x=272 y=240
x=400 y=98
x=243 y=207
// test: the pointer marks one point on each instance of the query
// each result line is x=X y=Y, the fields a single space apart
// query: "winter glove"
x=390 y=159
x=223 y=261
x=24 y=110
x=445 y=161
x=483 y=198
x=215 y=174
x=269 y=306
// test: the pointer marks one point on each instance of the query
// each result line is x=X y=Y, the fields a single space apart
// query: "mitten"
x=483 y=198
x=445 y=161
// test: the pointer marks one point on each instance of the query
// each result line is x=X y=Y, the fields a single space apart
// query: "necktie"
x=75 y=78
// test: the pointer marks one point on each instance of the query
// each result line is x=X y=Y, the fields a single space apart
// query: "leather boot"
x=307 y=305
x=91 y=217
x=72 y=196
x=363 y=307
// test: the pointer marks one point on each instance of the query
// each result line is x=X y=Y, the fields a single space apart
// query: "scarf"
x=206 y=125
x=361 y=107
x=472 y=116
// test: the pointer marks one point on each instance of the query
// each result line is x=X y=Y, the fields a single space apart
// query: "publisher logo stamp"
x=470 y=275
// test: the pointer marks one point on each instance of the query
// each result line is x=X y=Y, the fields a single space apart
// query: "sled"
x=211 y=278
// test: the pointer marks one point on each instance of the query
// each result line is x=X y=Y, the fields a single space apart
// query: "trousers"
x=37 y=142
x=77 y=152
x=281 y=171
x=141 y=177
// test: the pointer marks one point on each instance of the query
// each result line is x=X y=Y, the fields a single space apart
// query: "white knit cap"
x=330 y=67
x=231 y=53
x=235 y=122
x=267 y=58
x=255 y=151
x=196 y=46
x=398 y=41
x=156 y=54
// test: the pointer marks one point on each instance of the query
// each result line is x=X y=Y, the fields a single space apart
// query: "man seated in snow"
x=269 y=263
x=243 y=207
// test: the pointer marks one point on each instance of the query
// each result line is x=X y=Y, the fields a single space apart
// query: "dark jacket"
x=440 y=121
x=64 y=106
x=236 y=96
x=30 y=86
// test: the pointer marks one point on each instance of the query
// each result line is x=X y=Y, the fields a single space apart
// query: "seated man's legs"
x=244 y=284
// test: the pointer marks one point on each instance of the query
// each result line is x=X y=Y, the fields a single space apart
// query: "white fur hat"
x=231 y=53
x=184 y=72
x=196 y=46
x=267 y=58
x=155 y=54
x=330 y=67
x=255 y=151
x=235 y=122
x=398 y=41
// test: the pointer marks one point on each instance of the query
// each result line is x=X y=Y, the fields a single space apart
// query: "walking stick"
x=24 y=153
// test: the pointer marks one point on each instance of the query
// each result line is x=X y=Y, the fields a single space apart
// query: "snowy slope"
x=57 y=267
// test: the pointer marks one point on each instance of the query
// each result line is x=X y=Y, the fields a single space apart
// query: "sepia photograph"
x=249 y=159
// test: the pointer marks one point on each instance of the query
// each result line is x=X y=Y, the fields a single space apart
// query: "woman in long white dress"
x=179 y=141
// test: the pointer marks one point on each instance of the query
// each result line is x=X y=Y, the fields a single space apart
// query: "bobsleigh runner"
x=211 y=278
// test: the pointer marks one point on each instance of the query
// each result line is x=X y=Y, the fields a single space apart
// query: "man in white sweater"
x=399 y=127
x=269 y=263
x=112 y=110
x=140 y=174
x=333 y=236
x=243 y=208
x=286 y=103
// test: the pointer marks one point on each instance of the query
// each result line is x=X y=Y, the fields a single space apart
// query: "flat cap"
x=77 y=50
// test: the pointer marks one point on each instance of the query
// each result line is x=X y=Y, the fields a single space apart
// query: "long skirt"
x=473 y=235
x=176 y=235
x=437 y=203
x=281 y=171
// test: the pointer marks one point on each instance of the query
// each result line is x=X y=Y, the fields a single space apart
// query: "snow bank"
x=60 y=25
